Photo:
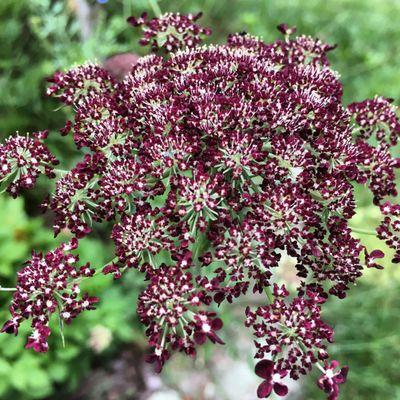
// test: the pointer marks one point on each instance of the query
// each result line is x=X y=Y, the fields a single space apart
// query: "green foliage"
x=18 y=235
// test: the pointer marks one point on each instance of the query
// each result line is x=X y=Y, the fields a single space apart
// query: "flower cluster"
x=80 y=83
x=389 y=229
x=170 y=32
x=23 y=159
x=74 y=199
x=211 y=163
x=49 y=284
x=140 y=236
x=293 y=334
x=376 y=117
x=171 y=308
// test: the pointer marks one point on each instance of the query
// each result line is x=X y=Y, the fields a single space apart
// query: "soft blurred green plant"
x=18 y=235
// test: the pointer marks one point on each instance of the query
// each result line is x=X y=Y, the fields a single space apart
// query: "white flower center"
x=329 y=373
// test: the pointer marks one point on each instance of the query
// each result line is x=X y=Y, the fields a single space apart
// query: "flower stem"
x=268 y=292
x=7 y=289
x=155 y=7
x=60 y=171
x=320 y=367
x=363 y=231
x=97 y=272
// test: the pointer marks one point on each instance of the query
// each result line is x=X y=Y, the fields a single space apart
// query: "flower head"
x=170 y=32
x=174 y=312
x=211 y=166
x=377 y=117
x=22 y=160
x=48 y=284
x=139 y=237
x=293 y=333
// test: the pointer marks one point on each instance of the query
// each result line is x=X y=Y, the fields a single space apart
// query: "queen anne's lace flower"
x=293 y=334
x=22 y=160
x=49 y=284
x=174 y=312
x=170 y=32
x=376 y=117
x=211 y=164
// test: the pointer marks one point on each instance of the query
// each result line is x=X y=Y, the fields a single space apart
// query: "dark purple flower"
x=170 y=32
x=389 y=229
x=293 y=333
x=213 y=167
x=38 y=340
x=174 y=314
x=272 y=379
x=371 y=257
x=331 y=379
x=49 y=284
x=284 y=28
x=22 y=160
x=376 y=117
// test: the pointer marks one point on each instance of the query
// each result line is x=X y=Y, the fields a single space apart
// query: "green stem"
x=61 y=324
x=96 y=272
x=363 y=231
x=7 y=289
x=155 y=7
x=99 y=270
x=60 y=171
x=268 y=292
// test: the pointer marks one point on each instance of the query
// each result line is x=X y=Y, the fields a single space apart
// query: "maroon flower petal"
x=377 y=254
x=264 y=389
x=280 y=390
x=342 y=376
x=216 y=324
x=215 y=338
x=200 y=337
x=264 y=369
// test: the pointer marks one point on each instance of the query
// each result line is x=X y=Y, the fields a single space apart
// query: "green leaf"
x=69 y=352
x=159 y=201
x=58 y=371
x=163 y=257
x=4 y=367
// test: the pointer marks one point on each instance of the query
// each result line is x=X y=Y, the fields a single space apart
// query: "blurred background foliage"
x=38 y=37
